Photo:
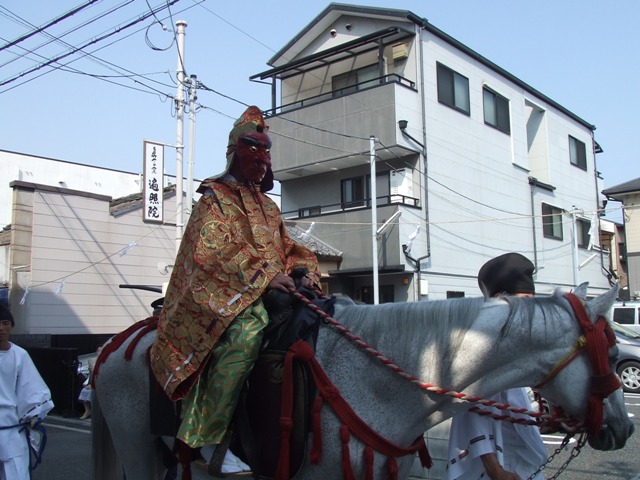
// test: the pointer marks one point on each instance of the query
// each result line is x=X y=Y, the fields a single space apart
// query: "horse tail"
x=105 y=462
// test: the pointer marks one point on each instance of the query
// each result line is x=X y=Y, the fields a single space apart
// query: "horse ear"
x=581 y=291
x=601 y=305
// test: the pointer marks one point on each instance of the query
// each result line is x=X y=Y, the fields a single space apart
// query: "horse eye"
x=253 y=149
x=267 y=151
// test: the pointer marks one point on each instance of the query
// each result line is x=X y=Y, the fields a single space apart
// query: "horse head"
x=585 y=384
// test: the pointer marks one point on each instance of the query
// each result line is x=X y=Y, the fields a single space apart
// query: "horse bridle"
x=597 y=338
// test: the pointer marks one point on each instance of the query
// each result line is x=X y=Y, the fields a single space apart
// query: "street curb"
x=69 y=422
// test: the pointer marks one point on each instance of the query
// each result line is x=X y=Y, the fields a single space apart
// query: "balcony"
x=331 y=132
x=393 y=78
x=318 y=210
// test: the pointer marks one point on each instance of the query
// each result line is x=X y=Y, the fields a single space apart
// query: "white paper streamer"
x=128 y=248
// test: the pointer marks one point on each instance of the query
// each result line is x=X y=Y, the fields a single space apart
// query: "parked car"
x=627 y=314
x=628 y=367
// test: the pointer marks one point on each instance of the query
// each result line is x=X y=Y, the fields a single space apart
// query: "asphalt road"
x=591 y=464
x=68 y=454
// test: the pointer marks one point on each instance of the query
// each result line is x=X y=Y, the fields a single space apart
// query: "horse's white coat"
x=464 y=344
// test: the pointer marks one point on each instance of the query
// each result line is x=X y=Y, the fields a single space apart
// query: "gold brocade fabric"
x=234 y=244
x=208 y=407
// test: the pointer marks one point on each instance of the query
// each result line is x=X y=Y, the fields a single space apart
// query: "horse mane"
x=550 y=307
x=411 y=324
x=441 y=323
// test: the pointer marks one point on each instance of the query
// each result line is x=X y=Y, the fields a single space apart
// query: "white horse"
x=466 y=345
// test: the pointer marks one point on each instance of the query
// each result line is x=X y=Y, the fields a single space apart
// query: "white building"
x=470 y=160
x=59 y=173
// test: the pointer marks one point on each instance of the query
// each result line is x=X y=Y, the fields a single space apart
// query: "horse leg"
x=122 y=388
x=105 y=462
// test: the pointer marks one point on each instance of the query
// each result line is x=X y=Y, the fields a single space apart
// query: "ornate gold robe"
x=234 y=244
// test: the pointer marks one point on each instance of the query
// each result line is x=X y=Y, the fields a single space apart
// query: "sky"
x=97 y=104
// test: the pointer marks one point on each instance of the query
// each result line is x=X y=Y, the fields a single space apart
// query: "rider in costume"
x=481 y=447
x=235 y=248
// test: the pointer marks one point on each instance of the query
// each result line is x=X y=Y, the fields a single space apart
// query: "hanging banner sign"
x=153 y=179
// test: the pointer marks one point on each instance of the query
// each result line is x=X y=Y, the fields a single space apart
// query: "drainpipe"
x=402 y=124
x=533 y=224
x=424 y=149
x=608 y=273
x=416 y=269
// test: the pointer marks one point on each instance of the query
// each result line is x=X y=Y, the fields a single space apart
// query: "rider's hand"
x=32 y=422
x=282 y=282
x=309 y=284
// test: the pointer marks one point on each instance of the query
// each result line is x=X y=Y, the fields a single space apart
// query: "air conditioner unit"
x=400 y=51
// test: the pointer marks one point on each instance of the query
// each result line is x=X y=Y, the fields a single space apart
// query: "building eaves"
x=335 y=10
x=121 y=205
x=353 y=272
x=349 y=49
x=324 y=19
x=632 y=186
x=19 y=184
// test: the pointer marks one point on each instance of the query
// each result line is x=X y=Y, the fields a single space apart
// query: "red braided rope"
x=541 y=418
x=117 y=340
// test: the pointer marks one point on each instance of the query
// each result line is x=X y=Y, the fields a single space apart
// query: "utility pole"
x=193 y=80
x=374 y=219
x=180 y=27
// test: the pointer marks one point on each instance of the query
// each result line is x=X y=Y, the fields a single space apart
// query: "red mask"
x=252 y=157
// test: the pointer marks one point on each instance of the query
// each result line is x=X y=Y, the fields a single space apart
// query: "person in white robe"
x=24 y=398
x=481 y=447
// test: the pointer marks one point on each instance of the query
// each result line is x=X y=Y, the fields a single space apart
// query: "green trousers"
x=208 y=407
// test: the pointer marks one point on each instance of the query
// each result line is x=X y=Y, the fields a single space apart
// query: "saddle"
x=259 y=433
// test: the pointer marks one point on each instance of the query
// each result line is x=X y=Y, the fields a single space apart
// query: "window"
x=385 y=294
x=624 y=315
x=309 y=211
x=582 y=232
x=454 y=294
x=577 y=153
x=350 y=82
x=453 y=89
x=352 y=192
x=551 y=221
x=496 y=110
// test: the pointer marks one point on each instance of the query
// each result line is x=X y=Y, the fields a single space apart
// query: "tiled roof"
x=314 y=244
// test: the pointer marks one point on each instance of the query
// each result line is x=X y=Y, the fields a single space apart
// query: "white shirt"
x=23 y=395
x=519 y=448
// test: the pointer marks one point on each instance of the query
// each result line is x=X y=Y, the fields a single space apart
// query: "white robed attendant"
x=24 y=397
x=519 y=448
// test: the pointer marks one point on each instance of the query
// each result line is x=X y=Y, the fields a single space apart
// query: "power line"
x=105 y=63
x=85 y=45
x=54 y=38
x=47 y=25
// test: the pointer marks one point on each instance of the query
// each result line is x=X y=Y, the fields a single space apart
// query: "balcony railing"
x=359 y=87
x=318 y=210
